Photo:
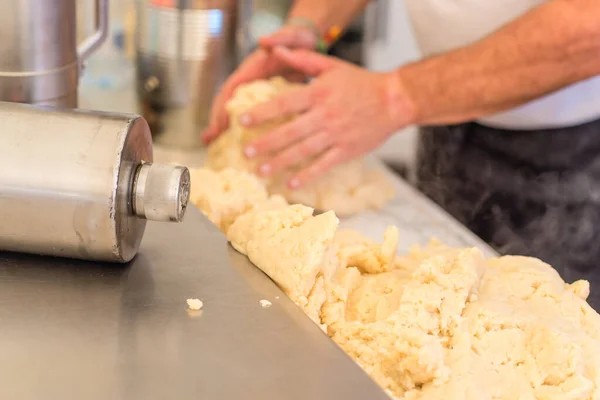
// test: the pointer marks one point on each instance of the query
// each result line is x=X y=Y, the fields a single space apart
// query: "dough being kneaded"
x=346 y=189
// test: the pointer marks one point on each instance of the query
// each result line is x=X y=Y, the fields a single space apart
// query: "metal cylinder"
x=184 y=51
x=40 y=56
x=81 y=184
x=257 y=18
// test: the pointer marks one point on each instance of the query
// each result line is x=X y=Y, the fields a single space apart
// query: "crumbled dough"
x=223 y=196
x=292 y=234
x=347 y=189
x=436 y=323
x=195 y=304
x=265 y=303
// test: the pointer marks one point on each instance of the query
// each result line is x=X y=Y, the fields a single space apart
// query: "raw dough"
x=346 y=189
x=265 y=303
x=194 y=304
x=436 y=323
x=223 y=196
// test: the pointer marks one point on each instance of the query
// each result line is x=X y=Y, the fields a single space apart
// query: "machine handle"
x=92 y=42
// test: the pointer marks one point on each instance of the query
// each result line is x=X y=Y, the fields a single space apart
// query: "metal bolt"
x=161 y=192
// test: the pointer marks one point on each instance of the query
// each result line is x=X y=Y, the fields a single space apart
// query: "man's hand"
x=261 y=64
x=345 y=112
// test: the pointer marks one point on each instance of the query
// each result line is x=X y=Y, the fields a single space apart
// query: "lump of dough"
x=346 y=189
x=225 y=195
x=289 y=244
x=356 y=250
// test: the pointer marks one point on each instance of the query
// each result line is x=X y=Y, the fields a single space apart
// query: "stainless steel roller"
x=82 y=184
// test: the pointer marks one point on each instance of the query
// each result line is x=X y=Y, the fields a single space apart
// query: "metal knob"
x=161 y=192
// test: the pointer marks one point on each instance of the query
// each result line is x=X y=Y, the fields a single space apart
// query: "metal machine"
x=82 y=184
x=41 y=60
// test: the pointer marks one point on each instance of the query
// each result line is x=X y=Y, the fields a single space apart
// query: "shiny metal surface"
x=39 y=56
x=161 y=192
x=256 y=18
x=66 y=180
x=184 y=51
x=79 y=330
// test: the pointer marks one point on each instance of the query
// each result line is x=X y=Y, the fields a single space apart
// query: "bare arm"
x=551 y=47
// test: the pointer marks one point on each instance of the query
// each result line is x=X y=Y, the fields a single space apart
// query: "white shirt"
x=442 y=25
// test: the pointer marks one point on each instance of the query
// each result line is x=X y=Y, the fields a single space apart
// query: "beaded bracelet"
x=323 y=43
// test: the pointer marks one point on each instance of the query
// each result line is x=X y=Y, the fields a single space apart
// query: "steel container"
x=184 y=51
x=81 y=184
x=40 y=59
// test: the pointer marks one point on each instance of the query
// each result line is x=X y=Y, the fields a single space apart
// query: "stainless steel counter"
x=77 y=330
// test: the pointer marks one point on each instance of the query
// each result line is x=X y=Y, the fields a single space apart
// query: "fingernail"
x=294 y=183
x=250 y=151
x=245 y=119
x=264 y=169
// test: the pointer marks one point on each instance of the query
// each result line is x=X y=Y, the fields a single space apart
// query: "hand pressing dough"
x=346 y=189
x=436 y=323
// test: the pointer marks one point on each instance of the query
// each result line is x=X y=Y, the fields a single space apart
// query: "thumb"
x=291 y=37
x=309 y=62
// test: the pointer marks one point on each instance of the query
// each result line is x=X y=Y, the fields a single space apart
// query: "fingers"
x=294 y=76
x=324 y=163
x=293 y=102
x=218 y=122
x=283 y=136
x=291 y=37
x=306 y=149
x=306 y=61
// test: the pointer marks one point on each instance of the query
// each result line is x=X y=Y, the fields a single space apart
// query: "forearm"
x=328 y=13
x=551 y=47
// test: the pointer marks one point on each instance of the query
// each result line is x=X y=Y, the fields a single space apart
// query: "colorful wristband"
x=323 y=43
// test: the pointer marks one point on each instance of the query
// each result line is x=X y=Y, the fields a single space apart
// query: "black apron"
x=534 y=193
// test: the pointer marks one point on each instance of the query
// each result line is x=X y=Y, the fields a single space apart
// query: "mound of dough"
x=347 y=189
x=436 y=323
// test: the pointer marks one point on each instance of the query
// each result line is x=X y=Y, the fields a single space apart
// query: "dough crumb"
x=195 y=304
x=265 y=303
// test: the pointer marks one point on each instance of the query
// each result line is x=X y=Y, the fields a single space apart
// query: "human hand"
x=346 y=111
x=261 y=64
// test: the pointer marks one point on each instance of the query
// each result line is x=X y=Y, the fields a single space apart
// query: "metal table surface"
x=78 y=330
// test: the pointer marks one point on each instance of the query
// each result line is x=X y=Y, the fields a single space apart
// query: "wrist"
x=324 y=37
x=400 y=105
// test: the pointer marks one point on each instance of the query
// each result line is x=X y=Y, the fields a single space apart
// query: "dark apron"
x=534 y=193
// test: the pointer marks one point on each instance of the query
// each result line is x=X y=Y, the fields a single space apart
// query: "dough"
x=223 y=196
x=194 y=304
x=346 y=189
x=436 y=323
